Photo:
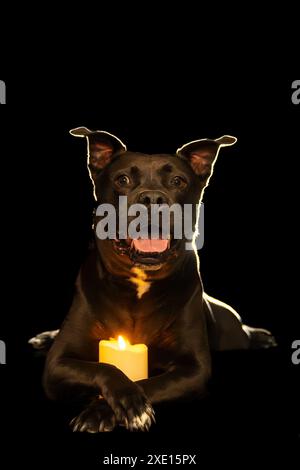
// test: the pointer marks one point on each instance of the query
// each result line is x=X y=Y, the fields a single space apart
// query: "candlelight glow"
x=131 y=359
x=121 y=343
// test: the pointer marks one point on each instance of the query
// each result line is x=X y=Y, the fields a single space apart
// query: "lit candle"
x=132 y=359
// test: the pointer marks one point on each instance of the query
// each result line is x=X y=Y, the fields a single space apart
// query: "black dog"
x=153 y=296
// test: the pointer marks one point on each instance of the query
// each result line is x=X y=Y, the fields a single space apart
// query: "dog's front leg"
x=180 y=381
x=123 y=401
x=188 y=368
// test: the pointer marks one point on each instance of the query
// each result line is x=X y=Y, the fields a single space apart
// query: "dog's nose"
x=152 y=197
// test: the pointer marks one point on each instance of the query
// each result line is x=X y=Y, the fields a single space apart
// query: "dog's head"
x=161 y=180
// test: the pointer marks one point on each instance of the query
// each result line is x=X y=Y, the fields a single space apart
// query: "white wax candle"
x=132 y=359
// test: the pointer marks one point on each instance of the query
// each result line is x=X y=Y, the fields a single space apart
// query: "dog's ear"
x=102 y=146
x=202 y=154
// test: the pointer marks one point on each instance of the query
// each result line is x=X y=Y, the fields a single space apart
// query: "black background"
x=248 y=258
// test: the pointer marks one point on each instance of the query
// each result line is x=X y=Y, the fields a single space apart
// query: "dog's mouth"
x=148 y=252
x=151 y=246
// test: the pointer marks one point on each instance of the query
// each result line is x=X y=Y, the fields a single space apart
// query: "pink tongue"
x=151 y=246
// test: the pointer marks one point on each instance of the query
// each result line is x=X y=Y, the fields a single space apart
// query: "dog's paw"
x=260 y=338
x=131 y=407
x=97 y=417
x=43 y=341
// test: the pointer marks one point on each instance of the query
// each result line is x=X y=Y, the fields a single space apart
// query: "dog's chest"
x=140 y=321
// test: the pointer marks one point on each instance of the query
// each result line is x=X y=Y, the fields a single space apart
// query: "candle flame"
x=121 y=343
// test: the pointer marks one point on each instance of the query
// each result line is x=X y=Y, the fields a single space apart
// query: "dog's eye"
x=123 y=180
x=178 y=182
